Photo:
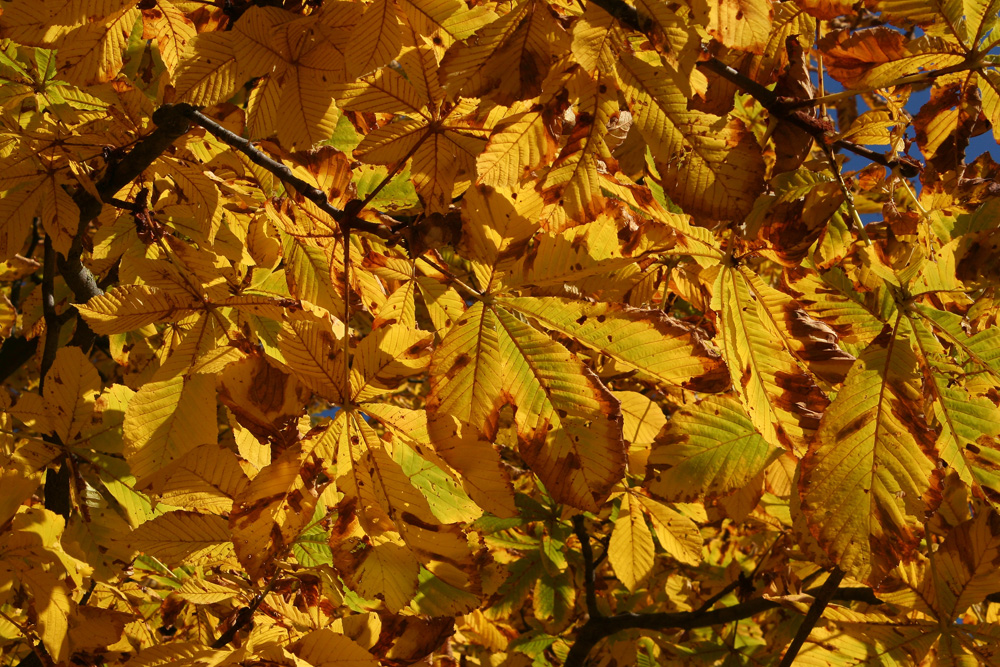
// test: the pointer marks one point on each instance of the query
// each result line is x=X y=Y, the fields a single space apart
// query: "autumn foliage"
x=524 y=333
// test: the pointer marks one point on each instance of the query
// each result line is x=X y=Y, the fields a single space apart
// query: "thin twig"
x=52 y=322
x=822 y=599
x=589 y=578
x=243 y=616
x=848 y=195
x=729 y=588
x=280 y=170
x=776 y=105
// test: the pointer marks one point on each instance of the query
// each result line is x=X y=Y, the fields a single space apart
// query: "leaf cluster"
x=498 y=333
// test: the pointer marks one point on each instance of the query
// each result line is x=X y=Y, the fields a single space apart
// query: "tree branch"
x=598 y=628
x=776 y=106
x=823 y=597
x=52 y=322
x=589 y=577
x=79 y=278
x=243 y=617
x=284 y=174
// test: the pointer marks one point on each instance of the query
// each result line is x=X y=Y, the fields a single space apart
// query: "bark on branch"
x=775 y=105
x=281 y=171
x=600 y=627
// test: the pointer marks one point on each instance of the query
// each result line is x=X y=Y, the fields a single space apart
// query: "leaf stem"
x=848 y=195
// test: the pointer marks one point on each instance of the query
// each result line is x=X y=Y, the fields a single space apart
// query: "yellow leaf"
x=207 y=73
x=631 y=549
x=385 y=358
x=17 y=207
x=572 y=183
x=59 y=214
x=784 y=401
x=199 y=591
x=308 y=112
x=595 y=38
x=205 y=479
x=868 y=471
x=738 y=24
x=271 y=512
x=495 y=235
x=679 y=536
x=270 y=416
x=459 y=446
x=198 y=192
x=181 y=537
x=383 y=569
x=709 y=166
x=571 y=436
x=657 y=346
x=92 y=53
x=71 y=389
x=643 y=419
x=449 y=20
x=519 y=144
x=172 y=31
x=325 y=648
x=876 y=57
x=52 y=605
x=165 y=420
x=708 y=449
x=130 y=307
x=314 y=353
x=384 y=91
x=965 y=565
x=376 y=39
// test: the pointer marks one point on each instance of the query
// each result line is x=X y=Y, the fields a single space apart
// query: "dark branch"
x=313 y=194
x=589 y=577
x=823 y=597
x=596 y=629
x=243 y=616
x=52 y=321
x=730 y=587
x=776 y=106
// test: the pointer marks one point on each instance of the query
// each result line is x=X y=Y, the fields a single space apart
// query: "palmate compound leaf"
x=278 y=504
x=709 y=166
x=130 y=307
x=707 y=450
x=783 y=400
x=941 y=588
x=868 y=477
x=443 y=138
x=385 y=507
x=569 y=425
x=658 y=347
x=183 y=537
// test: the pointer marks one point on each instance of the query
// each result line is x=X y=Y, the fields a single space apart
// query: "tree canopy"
x=499 y=334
